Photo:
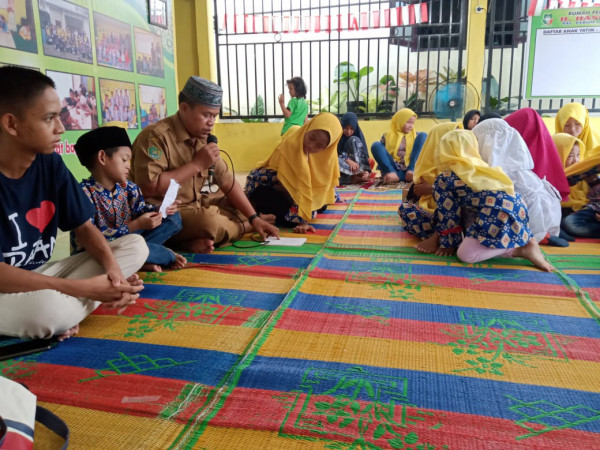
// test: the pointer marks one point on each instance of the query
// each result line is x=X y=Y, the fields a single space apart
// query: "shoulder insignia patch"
x=155 y=152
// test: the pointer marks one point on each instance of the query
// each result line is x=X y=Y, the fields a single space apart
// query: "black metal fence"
x=353 y=56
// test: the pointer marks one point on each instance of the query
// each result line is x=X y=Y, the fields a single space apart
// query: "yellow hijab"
x=582 y=166
x=564 y=144
x=580 y=113
x=309 y=179
x=458 y=152
x=577 y=193
x=394 y=135
x=425 y=167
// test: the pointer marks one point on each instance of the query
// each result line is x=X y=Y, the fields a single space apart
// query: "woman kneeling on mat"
x=299 y=178
x=500 y=228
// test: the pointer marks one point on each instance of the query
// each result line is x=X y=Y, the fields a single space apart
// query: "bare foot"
x=179 y=263
x=532 y=252
x=429 y=245
x=69 y=333
x=201 y=245
x=270 y=218
x=390 y=177
x=359 y=178
x=445 y=251
x=151 y=268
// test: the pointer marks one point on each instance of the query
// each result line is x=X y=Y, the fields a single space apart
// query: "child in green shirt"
x=296 y=111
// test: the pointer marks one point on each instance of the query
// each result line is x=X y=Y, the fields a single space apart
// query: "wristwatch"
x=253 y=216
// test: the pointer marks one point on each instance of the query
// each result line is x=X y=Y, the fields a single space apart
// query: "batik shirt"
x=502 y=220
x=114 y=210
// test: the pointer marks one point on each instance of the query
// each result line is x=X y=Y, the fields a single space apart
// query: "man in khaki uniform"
x=176 y=148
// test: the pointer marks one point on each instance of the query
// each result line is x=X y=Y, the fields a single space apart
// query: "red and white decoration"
x=281 y=23
x=536 y=6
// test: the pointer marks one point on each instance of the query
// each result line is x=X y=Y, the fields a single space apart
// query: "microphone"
x=211 y=170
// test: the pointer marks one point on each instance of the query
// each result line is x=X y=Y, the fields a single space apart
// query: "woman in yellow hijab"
x=416 y=213
x=398 y=150
x=573 y=119
x=570 y=150
x=586 y=221
x=300 y=176
x=501 y=227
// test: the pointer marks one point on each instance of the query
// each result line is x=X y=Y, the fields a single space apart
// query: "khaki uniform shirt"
x=165 y=146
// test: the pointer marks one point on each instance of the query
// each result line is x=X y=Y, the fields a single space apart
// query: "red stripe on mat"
x=574 y=347
x=266 y=410
x=237 y=315
x=375 y=233
x=259 y=270
x=136 y=395
x=502 y=286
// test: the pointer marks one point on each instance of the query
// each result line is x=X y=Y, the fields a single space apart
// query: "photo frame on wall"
x=77 y=95
x=157 y=13
x=117 y=102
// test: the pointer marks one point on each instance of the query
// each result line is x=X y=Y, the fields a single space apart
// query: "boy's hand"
x=112 y=289
x=148 y=221
x=173 y=208
x=281 y=99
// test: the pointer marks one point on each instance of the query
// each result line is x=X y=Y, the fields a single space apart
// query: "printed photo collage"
x=66 y=34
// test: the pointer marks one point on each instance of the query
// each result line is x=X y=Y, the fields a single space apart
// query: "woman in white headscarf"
x=500 y=145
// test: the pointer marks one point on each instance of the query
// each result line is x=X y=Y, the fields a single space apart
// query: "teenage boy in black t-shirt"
x=38 y=195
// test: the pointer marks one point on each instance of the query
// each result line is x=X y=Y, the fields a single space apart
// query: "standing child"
x=353 y=156
x=501 y=226
x=296 y=111
x=38 y=195
x=120 y=206
x=398 y=150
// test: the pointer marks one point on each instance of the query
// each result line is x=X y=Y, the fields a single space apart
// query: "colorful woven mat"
x=353 y=341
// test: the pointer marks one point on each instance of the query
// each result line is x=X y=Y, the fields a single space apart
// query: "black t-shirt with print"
x=33 y=207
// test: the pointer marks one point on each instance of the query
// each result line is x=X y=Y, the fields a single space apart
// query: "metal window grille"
x=391 y=67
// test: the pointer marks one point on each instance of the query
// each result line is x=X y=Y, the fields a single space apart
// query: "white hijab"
x=500 y=145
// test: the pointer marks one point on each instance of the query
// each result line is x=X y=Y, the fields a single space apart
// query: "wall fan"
x=451 y=100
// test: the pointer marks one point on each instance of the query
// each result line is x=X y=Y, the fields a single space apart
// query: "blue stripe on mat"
x=453 y=315
x=162 y=361
x=428 y=390
x=250 y=299
x=374 y=268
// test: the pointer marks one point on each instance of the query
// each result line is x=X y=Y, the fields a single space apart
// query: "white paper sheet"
x=170 y=197
x=286 y=241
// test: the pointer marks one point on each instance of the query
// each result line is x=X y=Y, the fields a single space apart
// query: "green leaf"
x=322 y=405
x=379 y=431
x=411 y=438
x=344 y=423
x=396 y=443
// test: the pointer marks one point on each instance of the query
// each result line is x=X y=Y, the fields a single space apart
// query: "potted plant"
x=416 y=87
x=347 y=74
